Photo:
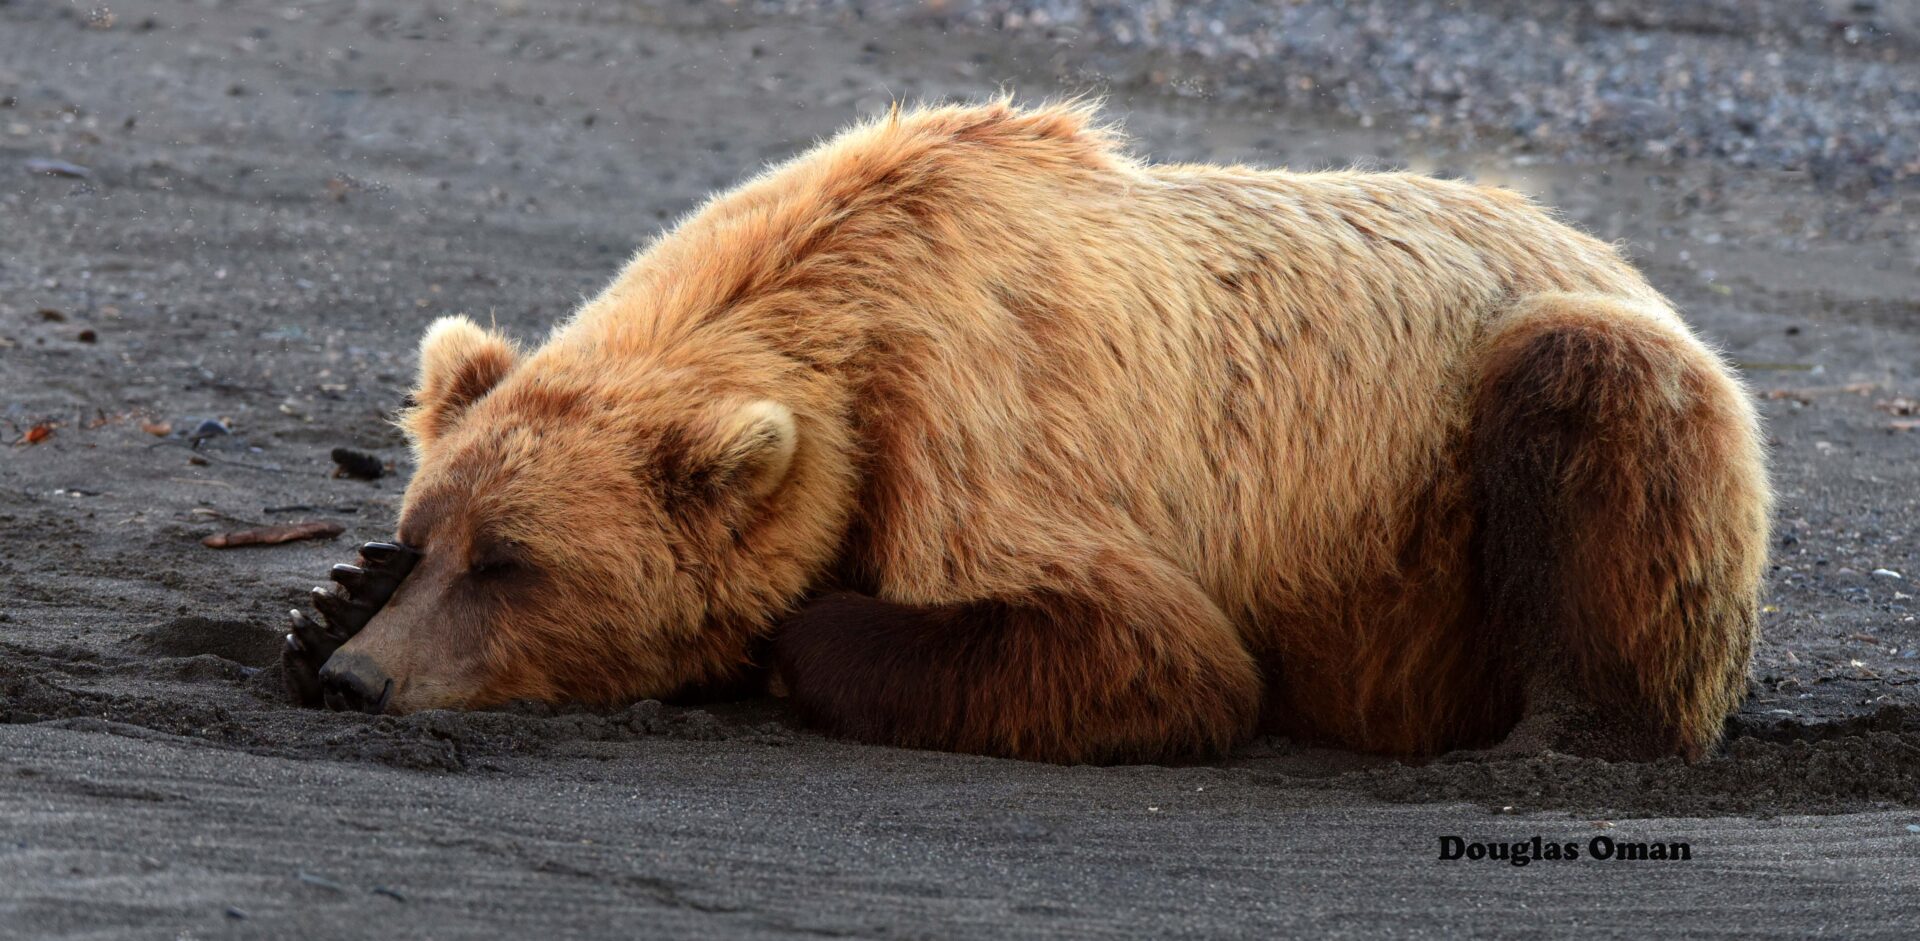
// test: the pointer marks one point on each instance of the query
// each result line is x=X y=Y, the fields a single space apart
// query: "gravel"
x=1831 y=89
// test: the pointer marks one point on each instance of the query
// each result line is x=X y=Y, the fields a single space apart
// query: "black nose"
x=352 y=682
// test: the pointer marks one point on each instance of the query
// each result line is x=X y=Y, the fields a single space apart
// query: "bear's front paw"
x=872 y=670
x=357 y=593
x=808 y=652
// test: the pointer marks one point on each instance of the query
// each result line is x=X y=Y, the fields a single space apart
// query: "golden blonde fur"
x=1116 y=460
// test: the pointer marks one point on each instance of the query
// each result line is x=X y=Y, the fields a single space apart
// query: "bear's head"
x=594 y=527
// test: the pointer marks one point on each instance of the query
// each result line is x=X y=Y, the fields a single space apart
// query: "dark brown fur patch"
x=1050 y=679
x=1584 y=482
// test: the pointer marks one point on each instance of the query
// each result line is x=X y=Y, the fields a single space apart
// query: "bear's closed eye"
x=496 y=562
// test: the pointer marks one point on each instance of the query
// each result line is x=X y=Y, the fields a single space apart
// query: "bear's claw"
x=359 y=591
x=350 y=577
x=342 y=612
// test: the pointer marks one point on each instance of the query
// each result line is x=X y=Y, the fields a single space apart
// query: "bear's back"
x=1259 y=373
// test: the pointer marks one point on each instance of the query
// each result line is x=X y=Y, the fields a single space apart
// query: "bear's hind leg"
x=1137 y=666
x=1622 y=525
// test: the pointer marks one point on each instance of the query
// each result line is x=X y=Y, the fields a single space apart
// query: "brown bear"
x=987 y=436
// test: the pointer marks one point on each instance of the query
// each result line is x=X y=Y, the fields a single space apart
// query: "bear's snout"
x=353 y=682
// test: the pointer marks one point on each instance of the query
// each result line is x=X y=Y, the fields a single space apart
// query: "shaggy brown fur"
x=1108 y=460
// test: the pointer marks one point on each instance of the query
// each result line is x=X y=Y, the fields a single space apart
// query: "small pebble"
x=318 y=880
x=357 y=464
x=1886 y=573
x=52 y=167
x=211 y=428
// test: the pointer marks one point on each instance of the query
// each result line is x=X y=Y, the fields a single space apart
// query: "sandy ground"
x=276 y=200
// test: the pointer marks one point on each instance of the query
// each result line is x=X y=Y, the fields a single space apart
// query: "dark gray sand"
x=258 y=207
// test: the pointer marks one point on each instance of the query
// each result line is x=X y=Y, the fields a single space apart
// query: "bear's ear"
x=459 y=363
x=741 y=450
